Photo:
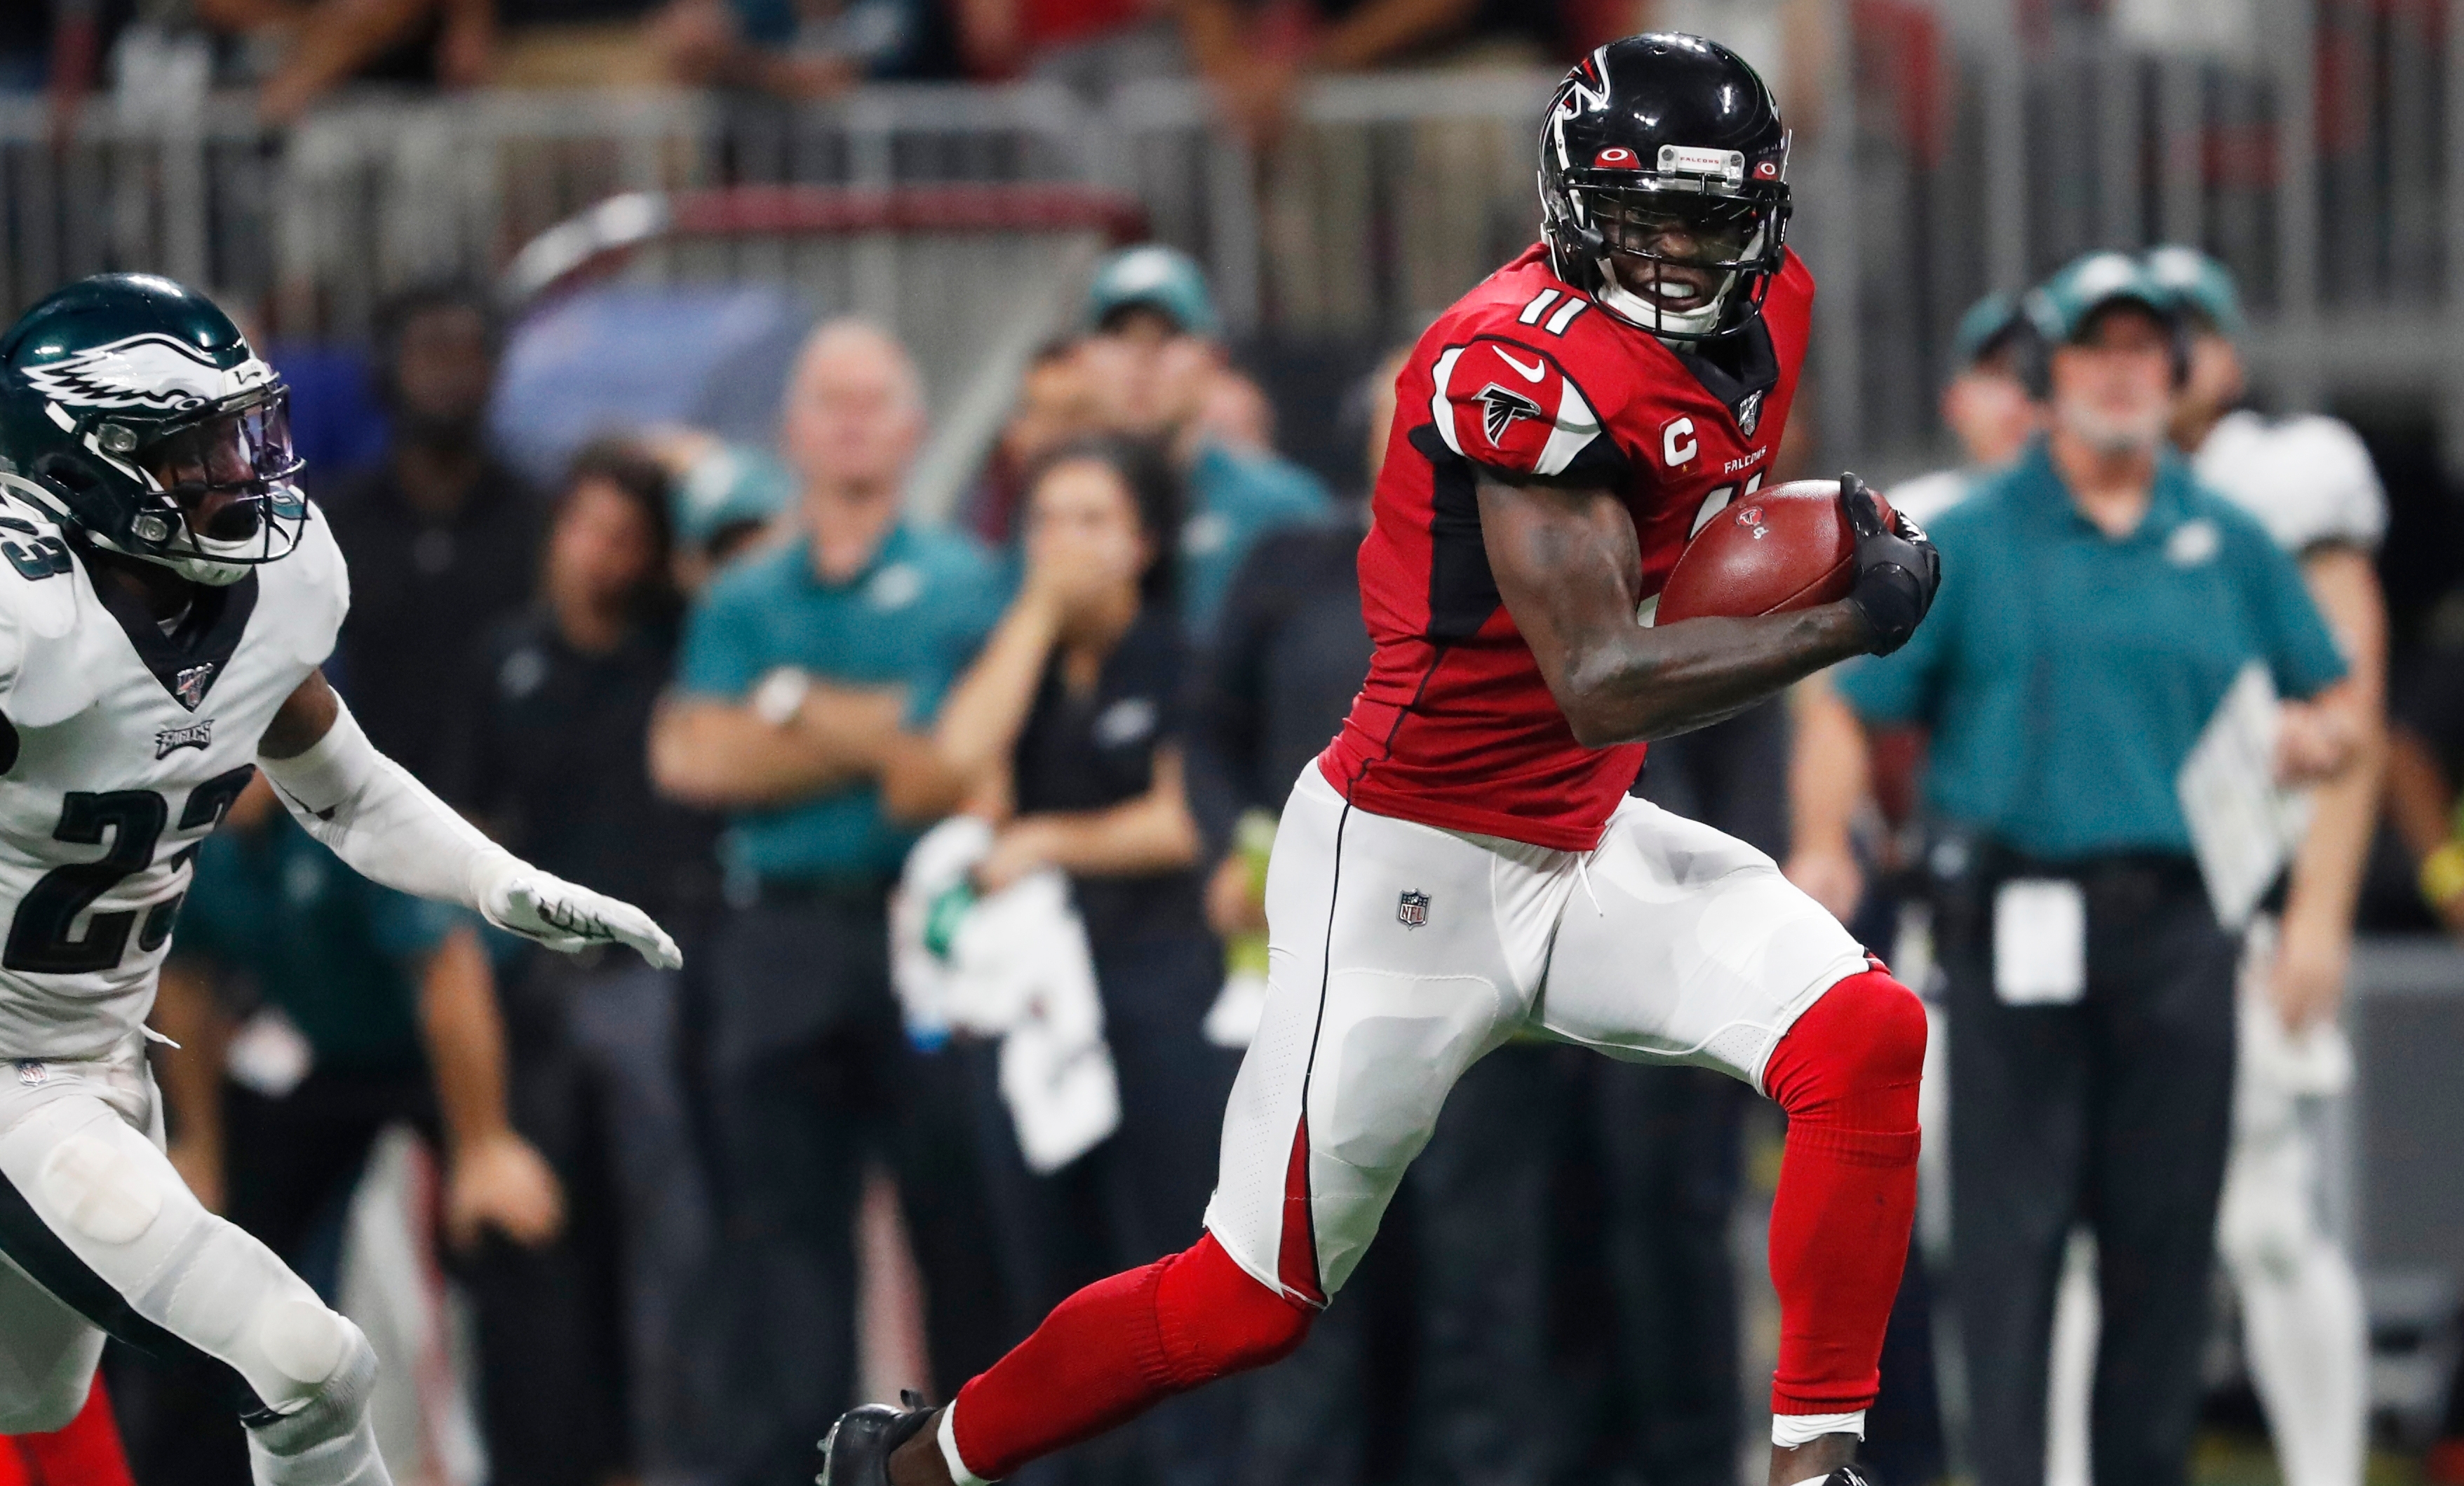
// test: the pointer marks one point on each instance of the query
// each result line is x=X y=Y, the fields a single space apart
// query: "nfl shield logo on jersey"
x=190 y=686
x=1750 y=413
x=1411 y=909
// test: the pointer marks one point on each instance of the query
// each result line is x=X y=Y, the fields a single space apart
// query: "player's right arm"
x=391 y=829
x=1568 y=565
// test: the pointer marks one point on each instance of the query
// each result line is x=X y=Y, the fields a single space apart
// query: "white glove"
x=544 y=908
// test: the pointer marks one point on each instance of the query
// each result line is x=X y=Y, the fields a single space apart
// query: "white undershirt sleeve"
x=385 y=824
x=389 y=829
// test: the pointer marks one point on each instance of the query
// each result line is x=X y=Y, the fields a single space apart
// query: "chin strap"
x=1642 y=312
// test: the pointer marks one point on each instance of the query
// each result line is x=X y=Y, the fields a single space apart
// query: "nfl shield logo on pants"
x=1411 y=909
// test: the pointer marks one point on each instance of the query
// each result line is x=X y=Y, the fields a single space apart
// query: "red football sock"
x=1847 y=1075
x=85 y=1454
x=1118 y=1348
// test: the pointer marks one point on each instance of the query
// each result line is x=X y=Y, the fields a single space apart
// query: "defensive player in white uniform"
x=166 y=599
x=2310 y=482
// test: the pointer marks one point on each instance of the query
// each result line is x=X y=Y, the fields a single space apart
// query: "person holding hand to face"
x=1068 y=732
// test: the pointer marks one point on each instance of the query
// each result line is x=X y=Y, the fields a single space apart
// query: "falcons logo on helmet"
x=150 y=371
x=1499 y=407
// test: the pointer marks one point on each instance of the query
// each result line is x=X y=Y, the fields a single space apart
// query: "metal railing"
x=1934 y=163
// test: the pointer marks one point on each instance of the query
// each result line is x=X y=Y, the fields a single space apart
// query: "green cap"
x=1158 y=277
x=1982 y=328
x=2061 y=306
x=726 y=485
x=2199 y=285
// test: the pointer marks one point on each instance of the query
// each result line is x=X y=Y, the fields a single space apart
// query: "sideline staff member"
x=801 y=670
x=2098 y=603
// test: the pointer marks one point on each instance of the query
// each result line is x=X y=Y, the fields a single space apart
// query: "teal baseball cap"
x=1982 y=328
x=2200 y=286
x=2062 y=305
x=1154 y=276
x=727 y=485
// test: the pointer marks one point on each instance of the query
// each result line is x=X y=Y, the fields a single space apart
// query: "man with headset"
x=2098 y=603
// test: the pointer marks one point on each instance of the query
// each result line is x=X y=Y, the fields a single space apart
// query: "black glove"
x=1897 y=569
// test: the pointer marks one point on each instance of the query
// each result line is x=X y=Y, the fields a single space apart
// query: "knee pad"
x=325 y=1441
x=50 y=1408
x=2263 y=1222
x=226 y=1294
x=1855 y=1058
x=1215 y=1320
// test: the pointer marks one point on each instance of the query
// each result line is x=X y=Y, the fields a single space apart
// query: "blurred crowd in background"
x=662 y=1228
x=736 y=683
x=293 y=52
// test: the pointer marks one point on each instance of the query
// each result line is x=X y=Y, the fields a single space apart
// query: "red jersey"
x=1527 y=376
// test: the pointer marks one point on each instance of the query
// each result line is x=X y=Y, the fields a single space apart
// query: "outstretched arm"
x=391 y=829
x=1567 y=564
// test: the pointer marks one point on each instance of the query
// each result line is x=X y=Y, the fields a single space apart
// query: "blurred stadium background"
x=662 y=247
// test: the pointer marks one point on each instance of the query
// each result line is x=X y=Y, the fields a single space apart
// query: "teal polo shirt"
x=914 y=617
x=341 y=956
x=1234 y=499
x=2065 y=675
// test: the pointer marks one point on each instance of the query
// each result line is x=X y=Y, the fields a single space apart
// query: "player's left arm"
x=1567 y=563
x=392 y=830
x=2317 y=942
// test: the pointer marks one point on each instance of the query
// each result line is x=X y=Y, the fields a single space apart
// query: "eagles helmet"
x=134 y=412
x=1663 y=185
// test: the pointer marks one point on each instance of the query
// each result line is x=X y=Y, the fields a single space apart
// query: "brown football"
x=1785 y=548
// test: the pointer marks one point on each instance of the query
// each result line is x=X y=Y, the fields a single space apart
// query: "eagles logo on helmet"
x=1663 y=185
x=137 y=415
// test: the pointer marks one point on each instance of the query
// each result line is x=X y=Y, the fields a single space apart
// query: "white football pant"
x=1400 y=954
x=97 y=1229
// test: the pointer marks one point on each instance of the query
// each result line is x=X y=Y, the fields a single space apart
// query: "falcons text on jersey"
x=1526 y=376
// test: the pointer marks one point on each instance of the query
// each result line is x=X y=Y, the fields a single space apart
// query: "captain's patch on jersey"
x=1507 y=406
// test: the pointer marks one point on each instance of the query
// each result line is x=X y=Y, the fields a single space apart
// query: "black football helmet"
x=1663 y=185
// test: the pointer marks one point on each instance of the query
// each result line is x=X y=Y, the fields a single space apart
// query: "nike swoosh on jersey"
x=1531 y=373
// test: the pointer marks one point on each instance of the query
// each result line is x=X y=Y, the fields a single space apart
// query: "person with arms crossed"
x=1463 y=863
x=2101 y=603
x=807 y=674
x=171 y=598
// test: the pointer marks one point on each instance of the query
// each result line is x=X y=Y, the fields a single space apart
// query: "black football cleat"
x=1849 y=1475
x=856 y=1450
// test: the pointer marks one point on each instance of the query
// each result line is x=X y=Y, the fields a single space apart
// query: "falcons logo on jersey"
x=1499 y=407
x=150 y=371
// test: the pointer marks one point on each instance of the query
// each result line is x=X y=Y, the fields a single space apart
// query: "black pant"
x=1669 y=1141
x=1135 y=1197
x=804 y=1055
x=2114 y=1112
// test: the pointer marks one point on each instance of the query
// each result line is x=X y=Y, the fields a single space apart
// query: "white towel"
x=1014 y=965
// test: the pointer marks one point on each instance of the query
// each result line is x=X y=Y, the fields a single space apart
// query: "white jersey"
x=120 y=750
x=2307 y=479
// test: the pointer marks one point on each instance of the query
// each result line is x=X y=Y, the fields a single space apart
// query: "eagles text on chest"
x=197 y=735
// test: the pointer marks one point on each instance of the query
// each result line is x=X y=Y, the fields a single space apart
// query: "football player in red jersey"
x=1463 y=864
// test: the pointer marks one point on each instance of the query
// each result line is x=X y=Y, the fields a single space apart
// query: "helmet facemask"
x=222 y=496
x=1682 y=264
